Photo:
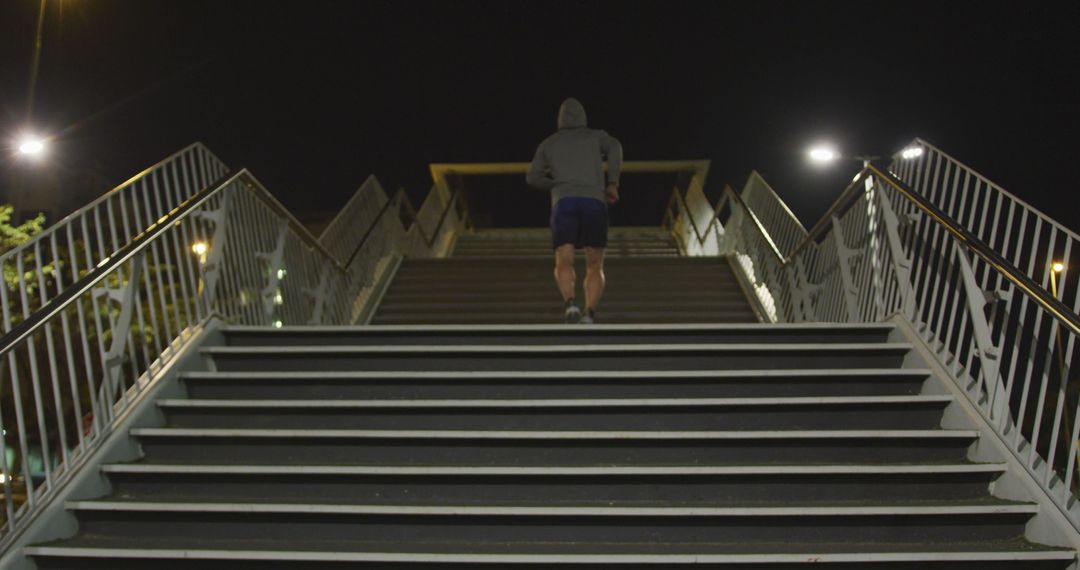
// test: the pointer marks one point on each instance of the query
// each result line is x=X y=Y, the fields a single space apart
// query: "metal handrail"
x=26 y=328
x=401 y=200
x=714 y=221
x=757 y=222
x=73 y=216
x=302 y=231
x=1058 y=225
x=1051 y=304
x=678 y=198
x=841 y=203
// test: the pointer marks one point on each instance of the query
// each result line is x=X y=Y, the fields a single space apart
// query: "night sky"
x=314 y=96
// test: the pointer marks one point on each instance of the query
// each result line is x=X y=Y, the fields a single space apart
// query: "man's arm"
x=538 y=176
x=612 y=149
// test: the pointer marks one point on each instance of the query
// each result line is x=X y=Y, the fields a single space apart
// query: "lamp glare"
x=911 y=153
x=31 y=146
x=823 y=154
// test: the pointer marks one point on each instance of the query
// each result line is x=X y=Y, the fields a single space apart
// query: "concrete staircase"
x=505 y=277
x=505 y=447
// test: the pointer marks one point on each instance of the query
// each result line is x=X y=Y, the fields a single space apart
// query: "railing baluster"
x=16 y=393
x=167 y=240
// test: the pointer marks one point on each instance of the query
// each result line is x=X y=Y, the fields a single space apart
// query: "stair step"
x=271 y=521
x=450 y=304
x=685 y=317
x=956 y=508
x=591 y=404
x=557 y=334
x=570 y=448
x=674 y=485
x=577 y=555
x=550 y=297
x=561 y=357
x=524 y=384
x=874 y=412
x=556 y=471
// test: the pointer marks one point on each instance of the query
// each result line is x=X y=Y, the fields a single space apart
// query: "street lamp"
x=823 y=154
x=31 y=146
x=911 y=152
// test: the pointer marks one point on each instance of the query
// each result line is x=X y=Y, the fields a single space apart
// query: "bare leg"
x=594 y=277
x=564 y=270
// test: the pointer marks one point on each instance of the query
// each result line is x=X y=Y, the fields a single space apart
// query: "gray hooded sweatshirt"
x=571 y=161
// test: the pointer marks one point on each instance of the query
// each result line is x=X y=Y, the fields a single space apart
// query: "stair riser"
x=556 y=308
x=267 y=451
x=282 y=528
x=448 y=306
x=661 y=278
x=550 y=388
x=899 y=416
x=547 y=337
x=440 y=295
x=593 y=490
x=48 y=563
x=688 y=360
x=659 y=317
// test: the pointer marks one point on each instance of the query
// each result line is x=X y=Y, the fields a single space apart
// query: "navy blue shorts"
x=580 y=221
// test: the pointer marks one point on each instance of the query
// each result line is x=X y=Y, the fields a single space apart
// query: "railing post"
x=843 y=257
x=989 y=355
x=276 y=271
x=319 y=295
x=216 y=250
x=900 y=261
x=126 y=296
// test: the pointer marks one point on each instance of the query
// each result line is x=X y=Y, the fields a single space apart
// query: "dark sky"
x=314 y=96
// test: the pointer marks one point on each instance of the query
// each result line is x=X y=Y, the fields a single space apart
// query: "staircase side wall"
x=1050 y=526
x=54 y=522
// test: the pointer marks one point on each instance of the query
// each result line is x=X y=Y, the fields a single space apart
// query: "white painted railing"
x=1028 y=238
x=84 y=339
x=884 y=250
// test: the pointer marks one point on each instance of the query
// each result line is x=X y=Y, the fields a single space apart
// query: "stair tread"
x=707 y=327
x=592 y=374
x=555 y=403
x=555 y=435
x=985 y=506
x=562 y=348
x=574 y=471
x=551 y=552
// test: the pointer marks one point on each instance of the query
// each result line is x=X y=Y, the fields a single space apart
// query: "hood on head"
x=571 y=114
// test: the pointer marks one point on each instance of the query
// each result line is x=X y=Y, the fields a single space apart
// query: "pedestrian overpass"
x=191 y=379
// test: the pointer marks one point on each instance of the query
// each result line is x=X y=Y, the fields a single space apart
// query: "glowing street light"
x=31 y=146
x=823 y=154
x=200 y=248
x=911 y=152
x=1055 y=269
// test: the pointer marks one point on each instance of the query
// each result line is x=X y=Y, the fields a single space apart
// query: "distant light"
x=911 y=153
x=823 y=154
x=31 y=146
x=277 y=324
x=278 y=299
x=199 y=248
x=280 y=273
x=1057 y=267
x=3 y=478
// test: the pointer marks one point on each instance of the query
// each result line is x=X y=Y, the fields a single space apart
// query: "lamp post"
x=35 y=61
